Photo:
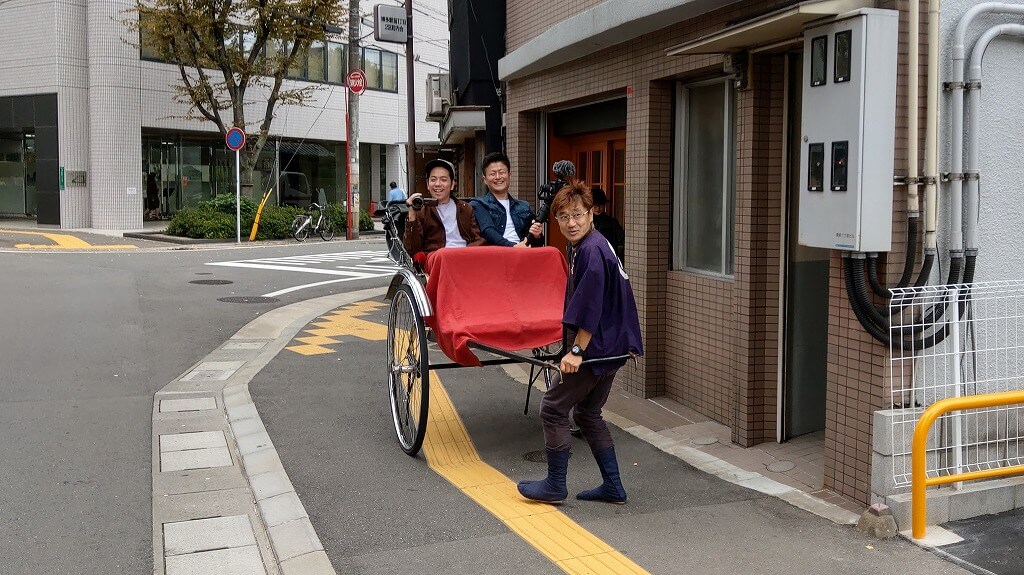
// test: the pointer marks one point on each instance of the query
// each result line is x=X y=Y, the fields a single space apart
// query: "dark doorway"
x=805 y=322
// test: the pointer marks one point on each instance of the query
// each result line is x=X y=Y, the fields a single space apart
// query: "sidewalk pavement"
x=243 y=511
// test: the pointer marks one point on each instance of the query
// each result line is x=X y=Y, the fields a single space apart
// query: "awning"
x=306 y=149
x=768 y=29
x=461 y=122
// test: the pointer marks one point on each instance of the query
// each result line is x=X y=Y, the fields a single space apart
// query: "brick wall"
x=712 y=343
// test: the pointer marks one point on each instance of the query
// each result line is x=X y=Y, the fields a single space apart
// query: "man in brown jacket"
x=449 y=224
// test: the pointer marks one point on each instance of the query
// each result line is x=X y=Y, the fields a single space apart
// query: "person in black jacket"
x=504 y=220
x=609 y=227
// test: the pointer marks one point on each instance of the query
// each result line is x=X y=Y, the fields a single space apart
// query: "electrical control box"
x=848 y=126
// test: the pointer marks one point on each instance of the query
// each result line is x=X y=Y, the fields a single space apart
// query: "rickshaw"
x=430 y=301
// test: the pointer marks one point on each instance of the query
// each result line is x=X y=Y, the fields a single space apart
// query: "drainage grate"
x=211 y=282
x=535 y=456
x=248 y=299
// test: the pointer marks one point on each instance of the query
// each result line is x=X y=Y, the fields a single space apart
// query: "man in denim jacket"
x=504 y=220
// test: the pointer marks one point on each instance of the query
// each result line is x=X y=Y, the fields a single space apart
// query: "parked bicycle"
x=306 y=223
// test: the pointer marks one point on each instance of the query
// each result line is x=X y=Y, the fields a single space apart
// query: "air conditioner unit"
x=438 y=94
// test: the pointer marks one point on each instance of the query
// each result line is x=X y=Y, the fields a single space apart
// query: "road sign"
x=235 y=139
x=356 y=80
x=390 y=24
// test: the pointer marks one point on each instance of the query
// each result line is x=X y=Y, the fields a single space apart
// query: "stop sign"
x=356 y=80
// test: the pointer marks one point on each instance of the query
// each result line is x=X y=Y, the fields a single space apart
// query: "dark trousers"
x=585 y=394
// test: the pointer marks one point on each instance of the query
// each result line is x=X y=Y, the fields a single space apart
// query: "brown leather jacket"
x=426 y=233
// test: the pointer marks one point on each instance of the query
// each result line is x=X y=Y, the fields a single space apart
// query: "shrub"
x=202 y=222
x=365 y=221
x=275 y=222
x=225 y=204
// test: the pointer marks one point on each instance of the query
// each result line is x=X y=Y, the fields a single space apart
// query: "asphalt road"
x=379 y=511
x=88 y=339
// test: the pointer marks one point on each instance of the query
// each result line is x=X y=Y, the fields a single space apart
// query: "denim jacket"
x=490 y=216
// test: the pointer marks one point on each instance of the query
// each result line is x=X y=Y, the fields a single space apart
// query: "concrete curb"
x=221 y=497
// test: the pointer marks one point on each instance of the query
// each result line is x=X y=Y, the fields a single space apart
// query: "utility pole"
x=410 y=82
x=352 y=121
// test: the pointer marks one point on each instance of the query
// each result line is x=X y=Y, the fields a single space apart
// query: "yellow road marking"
x=338 y=323
x=64 y=242
x=450 y=452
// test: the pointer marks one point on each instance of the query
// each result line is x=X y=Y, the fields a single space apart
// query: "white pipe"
x=913 y=104
x=956 y=164
x=974 y=125
x=931 y=143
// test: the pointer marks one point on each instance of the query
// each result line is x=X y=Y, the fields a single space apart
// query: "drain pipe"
x=974 y=128
x=931 y=143
x=913 y=107
x=957 y=174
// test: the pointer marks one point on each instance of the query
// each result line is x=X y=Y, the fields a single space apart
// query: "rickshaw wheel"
x=408 y=370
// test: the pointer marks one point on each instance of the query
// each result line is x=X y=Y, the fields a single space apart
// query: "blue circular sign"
x=235 y=139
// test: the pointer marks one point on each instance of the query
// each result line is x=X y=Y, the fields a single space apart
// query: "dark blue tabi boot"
x=552 y=488
x=611 y=490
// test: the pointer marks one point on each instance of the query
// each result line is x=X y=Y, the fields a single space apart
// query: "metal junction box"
x=849 y=130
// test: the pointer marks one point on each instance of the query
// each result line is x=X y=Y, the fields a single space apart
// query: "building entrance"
x=805 y=325
x=18 y=173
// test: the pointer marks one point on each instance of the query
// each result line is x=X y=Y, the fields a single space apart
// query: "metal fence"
x=953 y=341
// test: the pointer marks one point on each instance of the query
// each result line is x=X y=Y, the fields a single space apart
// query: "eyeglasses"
x=578 y=216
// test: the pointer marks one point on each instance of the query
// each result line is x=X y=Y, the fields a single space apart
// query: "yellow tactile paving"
x=63 y=242
x=310 y=349
x=450 y=452
x=341 y=322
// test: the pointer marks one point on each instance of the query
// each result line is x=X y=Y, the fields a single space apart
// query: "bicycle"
x=304 y=223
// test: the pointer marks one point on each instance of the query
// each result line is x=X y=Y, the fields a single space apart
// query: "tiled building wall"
x=527 y=19
x=857 y=364
x=73 y=108
x=759 y=204
x=115 y=140
x=712 y=343
x=689 y=319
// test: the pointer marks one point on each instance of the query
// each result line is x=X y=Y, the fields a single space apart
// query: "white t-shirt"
x=510 y=228
x=453 y=239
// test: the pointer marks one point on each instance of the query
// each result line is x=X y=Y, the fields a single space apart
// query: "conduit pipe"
x=974 y=127
x=931 y=138
x=959 y=57
x=913 y=107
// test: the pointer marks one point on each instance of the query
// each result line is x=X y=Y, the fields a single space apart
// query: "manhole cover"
x=780 y=466
x=248 y=299
x=535 y=456
x=705 y=440
x=211 y=282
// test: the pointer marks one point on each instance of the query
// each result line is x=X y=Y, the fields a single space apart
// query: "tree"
x=226 y=48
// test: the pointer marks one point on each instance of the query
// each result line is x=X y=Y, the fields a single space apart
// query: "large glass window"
x=337 y=62
x=389 y=72
x=704 y=191
x=316 y=62
x=371 y=66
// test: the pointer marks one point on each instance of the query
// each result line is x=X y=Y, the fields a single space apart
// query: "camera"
x=563 y=169
x=418 y=203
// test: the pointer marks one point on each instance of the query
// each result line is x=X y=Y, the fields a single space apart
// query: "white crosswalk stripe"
x=354 y=266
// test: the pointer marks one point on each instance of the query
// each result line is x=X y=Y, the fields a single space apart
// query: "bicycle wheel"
x=300 y=228
x=327 y=229
x=408 y=371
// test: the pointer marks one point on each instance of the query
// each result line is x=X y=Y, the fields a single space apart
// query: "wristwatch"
x=576 y=349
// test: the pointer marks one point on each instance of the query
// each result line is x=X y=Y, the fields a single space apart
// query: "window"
x=704 y=191
x=316 y=63
x=371 y=66
x=337 y=62
x=389 y=72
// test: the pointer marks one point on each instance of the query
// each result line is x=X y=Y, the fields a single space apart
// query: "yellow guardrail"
x=919 y=481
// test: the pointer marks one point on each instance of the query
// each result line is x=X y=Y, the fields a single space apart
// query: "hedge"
x=215 y=219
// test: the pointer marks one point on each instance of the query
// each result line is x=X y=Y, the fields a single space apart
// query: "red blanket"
x=503 y=297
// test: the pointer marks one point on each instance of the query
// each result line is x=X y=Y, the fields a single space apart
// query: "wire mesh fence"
x=952 y=341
